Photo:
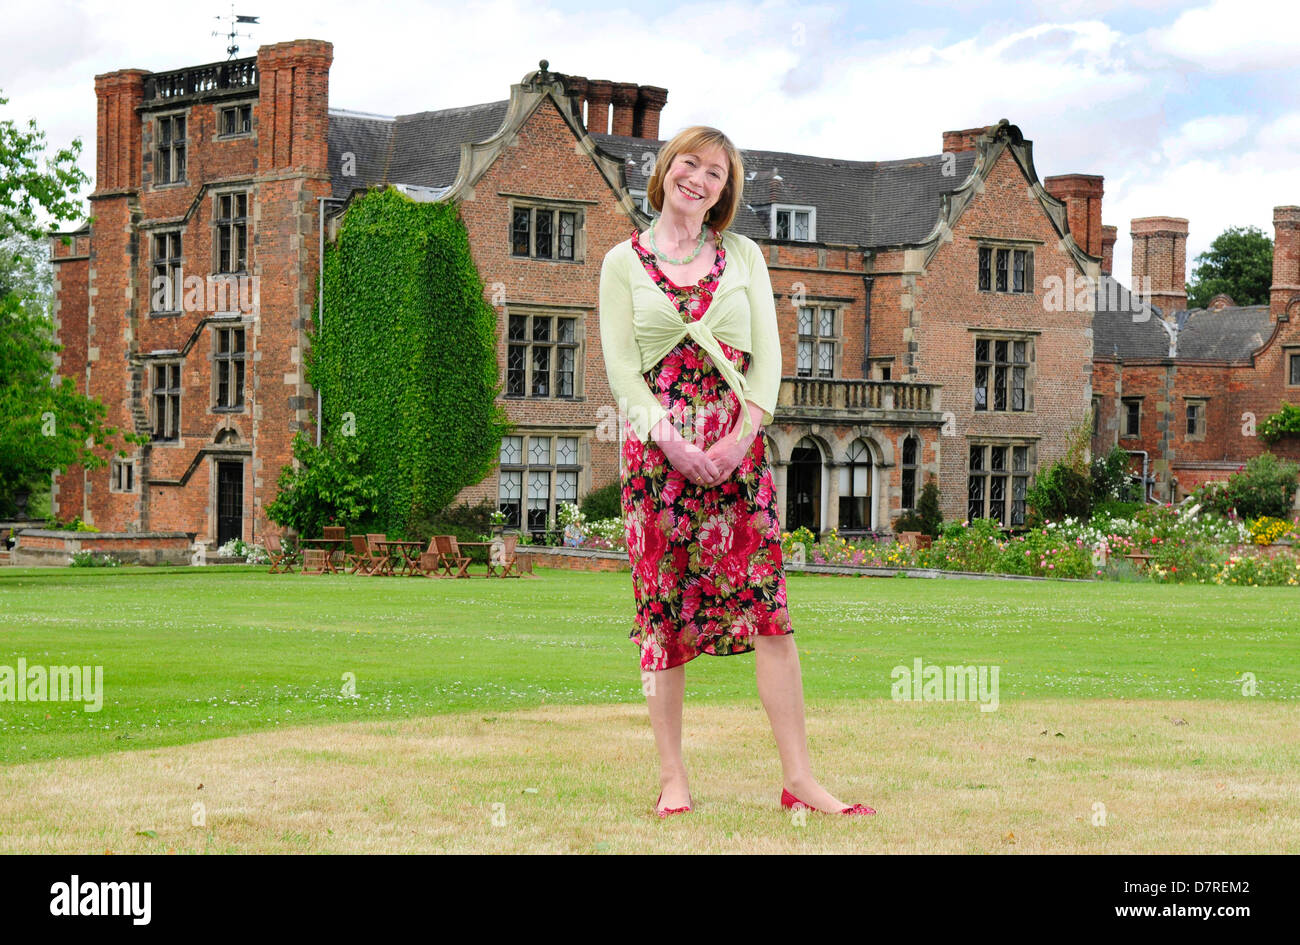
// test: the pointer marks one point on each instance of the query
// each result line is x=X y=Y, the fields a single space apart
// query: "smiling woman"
x=691 y=345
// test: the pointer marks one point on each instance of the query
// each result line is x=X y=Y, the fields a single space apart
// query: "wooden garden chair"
x=508 y=566
x=381 y=563
x=335 y=533
x=281 y=559
x=313 y=561
x=432 y=561
x=358 y=559
x=450 y=551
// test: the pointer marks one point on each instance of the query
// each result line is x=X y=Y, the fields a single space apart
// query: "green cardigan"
x=639 y=325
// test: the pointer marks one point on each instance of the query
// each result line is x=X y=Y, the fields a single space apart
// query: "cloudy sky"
x=1187 y=109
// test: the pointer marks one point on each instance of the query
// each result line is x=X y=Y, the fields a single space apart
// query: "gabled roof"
x=421 y=149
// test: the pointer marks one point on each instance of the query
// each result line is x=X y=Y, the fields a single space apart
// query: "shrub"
x=1267 y=529
x=1286 y=422
x=1065 y=487
x=1110 y=479
x=927 y=509
x=1263 y=486
x=88 y=559
x=333 y=485
x=467 y=522
x=602 y=503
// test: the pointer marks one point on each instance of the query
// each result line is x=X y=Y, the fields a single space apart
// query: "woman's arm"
x=764 y=374
x=622 y=354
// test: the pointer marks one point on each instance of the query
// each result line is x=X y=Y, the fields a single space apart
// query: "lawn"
x=526 y=694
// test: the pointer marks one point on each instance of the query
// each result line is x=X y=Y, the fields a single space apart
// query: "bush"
x=1265 y=486
x=467 y=522
x=332 y=486
x=602 y=503
x=927 y=509
x=1110 y=479
x=1065 y=487
x=88 y=559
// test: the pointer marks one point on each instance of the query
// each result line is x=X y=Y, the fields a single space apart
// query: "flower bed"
x=1171 y=545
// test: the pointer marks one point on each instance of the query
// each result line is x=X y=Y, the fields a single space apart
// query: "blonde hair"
x=696 y=140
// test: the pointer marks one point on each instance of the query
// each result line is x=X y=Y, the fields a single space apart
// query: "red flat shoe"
x=789 y=800
x=669 y=810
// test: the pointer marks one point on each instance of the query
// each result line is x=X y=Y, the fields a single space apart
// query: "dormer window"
x=794 y=223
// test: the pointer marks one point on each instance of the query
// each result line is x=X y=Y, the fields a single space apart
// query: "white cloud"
x=1233 y=36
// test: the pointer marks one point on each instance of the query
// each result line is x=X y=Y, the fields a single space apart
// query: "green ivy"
x=406 y=358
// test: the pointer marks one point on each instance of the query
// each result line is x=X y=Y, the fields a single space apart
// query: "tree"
x=45 y=424
x=23 y=185
x=1239 y=263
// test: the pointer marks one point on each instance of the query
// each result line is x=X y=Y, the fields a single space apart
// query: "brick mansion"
x=918 y=333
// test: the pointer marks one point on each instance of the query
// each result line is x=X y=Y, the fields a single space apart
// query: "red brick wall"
x=284 y=167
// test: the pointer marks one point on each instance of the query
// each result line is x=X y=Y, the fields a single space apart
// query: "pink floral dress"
x=707 y=573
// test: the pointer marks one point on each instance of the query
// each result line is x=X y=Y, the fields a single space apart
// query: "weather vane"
x=235 y=19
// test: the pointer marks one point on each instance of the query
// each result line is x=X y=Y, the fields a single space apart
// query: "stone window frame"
x=994 y=335
x=994 y=247
x=987 y=474
x=218 y=357
x=173 y=268
x=173 y=394
x=117 y=470
x=222 y=110
x=170 y=149
x=529 y=344
x=1203 y=401
x=642 y=200
x=534 y=206
x=835 y=339
x=1291 y=366
x=792 y=208
x=1125 y=401
x=905 y=467
x=220 y=222
x=553 y=468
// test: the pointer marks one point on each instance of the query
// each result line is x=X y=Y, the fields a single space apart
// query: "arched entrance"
x=804 y=487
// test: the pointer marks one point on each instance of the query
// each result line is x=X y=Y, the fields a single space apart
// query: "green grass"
x=197 y=653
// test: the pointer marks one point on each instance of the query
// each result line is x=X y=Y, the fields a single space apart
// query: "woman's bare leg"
x=665 y=691
x=780 y=686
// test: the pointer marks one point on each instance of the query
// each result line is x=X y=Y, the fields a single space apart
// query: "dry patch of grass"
x=945 y=778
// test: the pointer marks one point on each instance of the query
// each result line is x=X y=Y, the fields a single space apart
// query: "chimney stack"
x=1160 y=261
x=650 y=101
x=1284 y=294
x=625 y=95
x=963 y=140
x=599 y=92
x=1081 y=194
x=1108 y=236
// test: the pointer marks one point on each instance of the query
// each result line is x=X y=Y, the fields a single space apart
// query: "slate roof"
x=861 y=203
x=1232 y=333
x=864 y=203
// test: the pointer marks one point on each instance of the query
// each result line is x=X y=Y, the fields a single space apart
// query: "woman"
x=689 y=335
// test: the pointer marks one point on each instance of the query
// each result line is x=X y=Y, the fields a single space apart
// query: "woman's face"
x=695 y=181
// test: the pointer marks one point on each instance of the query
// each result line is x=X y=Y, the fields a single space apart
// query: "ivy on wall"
x=406 y=358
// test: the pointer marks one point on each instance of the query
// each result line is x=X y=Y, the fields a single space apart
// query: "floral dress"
x=707 y=572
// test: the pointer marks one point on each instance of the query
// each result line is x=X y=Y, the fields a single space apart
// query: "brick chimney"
x=1160 y=261
x=625 y=96
x=599 y=93
x=1284 y=295
x=293 y=105
x=1108 y=236
x=650 y=101
x=963 y=140
x=118 y=134
x=1081 y=194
